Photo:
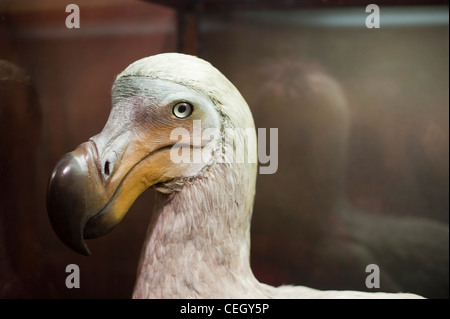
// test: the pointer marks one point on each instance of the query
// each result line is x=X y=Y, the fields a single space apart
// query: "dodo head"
x=91 y=189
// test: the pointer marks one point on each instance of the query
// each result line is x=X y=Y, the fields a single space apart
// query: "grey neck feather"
x=198 y=243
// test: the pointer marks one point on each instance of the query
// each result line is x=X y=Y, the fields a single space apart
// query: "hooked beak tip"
x=67 y=208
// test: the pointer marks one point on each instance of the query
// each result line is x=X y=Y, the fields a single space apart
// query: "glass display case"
x=361 y=109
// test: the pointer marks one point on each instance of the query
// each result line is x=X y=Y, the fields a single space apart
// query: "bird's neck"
x=198 y=243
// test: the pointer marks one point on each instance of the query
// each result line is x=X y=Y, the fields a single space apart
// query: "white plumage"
x=198 y=242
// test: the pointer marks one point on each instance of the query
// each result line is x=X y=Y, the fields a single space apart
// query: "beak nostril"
x=106 y=169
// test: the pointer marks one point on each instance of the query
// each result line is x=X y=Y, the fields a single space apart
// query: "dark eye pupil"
x=182 y=108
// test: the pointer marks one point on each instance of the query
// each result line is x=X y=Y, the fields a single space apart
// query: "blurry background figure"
x=20 y=124
x=363 y=143
x=313 y=226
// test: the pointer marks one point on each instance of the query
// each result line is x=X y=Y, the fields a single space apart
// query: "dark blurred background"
x=362 y=114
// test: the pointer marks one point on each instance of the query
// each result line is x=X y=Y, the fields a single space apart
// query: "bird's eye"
x=182 y=110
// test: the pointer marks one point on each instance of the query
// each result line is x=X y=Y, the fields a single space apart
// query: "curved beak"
x=74 y=195
x=82 y=204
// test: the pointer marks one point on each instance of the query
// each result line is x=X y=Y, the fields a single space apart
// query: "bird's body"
x=198 y=243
